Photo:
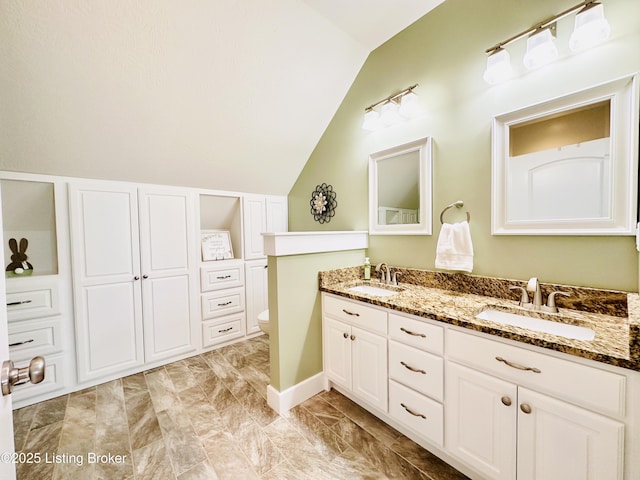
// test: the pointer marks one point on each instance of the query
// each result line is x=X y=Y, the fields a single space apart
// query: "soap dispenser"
x=367 y=269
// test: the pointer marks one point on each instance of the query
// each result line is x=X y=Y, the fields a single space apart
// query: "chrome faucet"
x=533 y=286
x=385 y=275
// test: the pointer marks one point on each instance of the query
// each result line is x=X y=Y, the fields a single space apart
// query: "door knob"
x=11 y=375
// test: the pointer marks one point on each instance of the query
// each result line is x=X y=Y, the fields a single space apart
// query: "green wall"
x=444 y=53
x=295 y=313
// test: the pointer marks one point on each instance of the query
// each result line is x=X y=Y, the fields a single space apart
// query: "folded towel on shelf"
x=455 y=250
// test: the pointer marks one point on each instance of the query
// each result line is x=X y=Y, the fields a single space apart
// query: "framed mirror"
x=400 y=189
x=568 y=166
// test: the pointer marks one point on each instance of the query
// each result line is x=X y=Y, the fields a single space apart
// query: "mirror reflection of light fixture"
x=498 y=67
x=391 y=110
x=541 y=49
x=591 y=28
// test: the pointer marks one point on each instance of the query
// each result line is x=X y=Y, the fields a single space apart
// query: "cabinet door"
x=167 y=280
x=257 y=298
x=277 y=214
x=558 y=441
x=337 y=352
x=369 y=361
x=480 y=419
x=106 y=268
x=255 y=223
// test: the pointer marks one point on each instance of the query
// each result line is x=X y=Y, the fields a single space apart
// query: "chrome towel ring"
x=458 y=204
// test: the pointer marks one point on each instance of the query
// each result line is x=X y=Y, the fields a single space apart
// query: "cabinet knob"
x=145 y=276
x=136 y=277
x=353 y=337
x=526 y=408
x=506 y=401
x=345 y=335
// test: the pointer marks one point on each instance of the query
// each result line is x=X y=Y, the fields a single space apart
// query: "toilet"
x=263 y=321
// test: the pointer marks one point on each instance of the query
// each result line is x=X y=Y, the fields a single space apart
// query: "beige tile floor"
x=206 y=417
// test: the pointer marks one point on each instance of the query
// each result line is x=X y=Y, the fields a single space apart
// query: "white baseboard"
x=284 y=401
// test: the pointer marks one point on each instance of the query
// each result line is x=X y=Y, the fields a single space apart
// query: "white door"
x=106 y=268
x=257 y=297
x=369 y=362
x=337 y=352
x=167 y=280
x=255 y=223
x=7 y=469
x=559 y=441
x=480 y=420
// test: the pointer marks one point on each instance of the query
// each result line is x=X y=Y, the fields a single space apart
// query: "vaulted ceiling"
x=222 y=94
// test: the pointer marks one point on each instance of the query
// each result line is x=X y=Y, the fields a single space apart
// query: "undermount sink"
x=373 y=290
x=537 y=324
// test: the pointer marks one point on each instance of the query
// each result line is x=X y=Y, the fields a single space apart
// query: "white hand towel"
x=455 y=250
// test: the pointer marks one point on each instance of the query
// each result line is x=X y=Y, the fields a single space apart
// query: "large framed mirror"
x=400 y=189
x=568 y=166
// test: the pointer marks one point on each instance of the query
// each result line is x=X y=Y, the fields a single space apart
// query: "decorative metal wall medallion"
x=323 y=203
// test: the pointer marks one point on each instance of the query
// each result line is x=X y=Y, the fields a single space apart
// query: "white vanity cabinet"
x=133 y=280
x=355 y=349
x=416 y=376
x=521 y=419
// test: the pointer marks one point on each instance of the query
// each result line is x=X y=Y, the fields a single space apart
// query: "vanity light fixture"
x=391 y=110
x=590 y=29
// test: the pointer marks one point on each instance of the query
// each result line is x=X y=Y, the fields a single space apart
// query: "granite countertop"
x=616 y=324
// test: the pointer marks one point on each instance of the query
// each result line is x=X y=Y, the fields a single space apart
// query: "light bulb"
x=590 y=28
x=541 y=49
x=498 y=67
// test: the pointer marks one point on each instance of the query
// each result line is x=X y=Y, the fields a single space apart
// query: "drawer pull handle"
x=519 y=367
x=225 y=304
x=21 y=302
x=409 y=367
x=412 y=412
x=223 y=277
x=20 y=343
x=526 y=408
x=350 y=313
x=225 y=330
x=409 y=332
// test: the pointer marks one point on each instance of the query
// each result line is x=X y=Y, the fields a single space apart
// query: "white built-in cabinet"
x=492 y=408
x=262 y=213
x=257 y=292
x=132 y=260
x=39 y=311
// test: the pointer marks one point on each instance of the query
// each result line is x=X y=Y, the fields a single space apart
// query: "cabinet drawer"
x=53 y=379
x=216 y=278
x=416 y=369
x=581 y=384
x=417 y=412
x=27 y=304
x=356 y=313
x=222 y=302
x=222 y=330
x=30 y=338
x=416 y=333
